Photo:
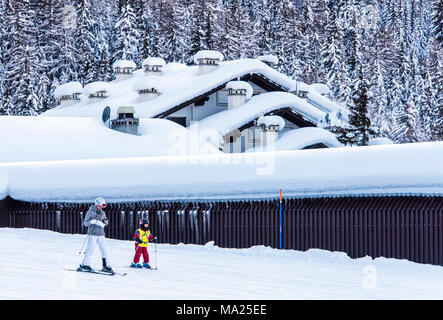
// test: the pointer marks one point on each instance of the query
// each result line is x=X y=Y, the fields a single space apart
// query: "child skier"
x=142 y=237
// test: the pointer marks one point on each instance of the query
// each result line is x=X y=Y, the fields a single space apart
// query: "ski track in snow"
x=32 y=262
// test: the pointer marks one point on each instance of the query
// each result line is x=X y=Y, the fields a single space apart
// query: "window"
x=222 y=98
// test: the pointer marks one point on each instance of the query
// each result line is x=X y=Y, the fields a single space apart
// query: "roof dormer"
x=148 y=88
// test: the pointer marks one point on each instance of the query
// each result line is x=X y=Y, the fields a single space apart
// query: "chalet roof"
x=68 y=89
x=183 y=85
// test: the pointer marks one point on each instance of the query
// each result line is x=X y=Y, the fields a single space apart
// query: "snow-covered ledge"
x=68 y=93
x=153 y=65
x=123 y=69
x=148 y=88
x=96 y=90
x=207 y=60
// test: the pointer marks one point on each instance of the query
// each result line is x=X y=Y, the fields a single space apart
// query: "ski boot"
x=146 y=265
x=84 y=268
x=136 y=265
x=106 y=268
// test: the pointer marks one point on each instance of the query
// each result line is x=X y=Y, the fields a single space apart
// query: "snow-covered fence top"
x=378 y=170
x=68 y=89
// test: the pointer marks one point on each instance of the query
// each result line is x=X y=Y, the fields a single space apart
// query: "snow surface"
x=271 y=121
x=208 y=54
x=152 y=82
x=414 y=169
x=68 y=89
x=48 y=138
x=203 y=272
x=380 y=141
x=241 y=85
x=124 y=64
x=300 y=138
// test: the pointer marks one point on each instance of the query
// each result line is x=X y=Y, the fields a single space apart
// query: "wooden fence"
x=408 y=227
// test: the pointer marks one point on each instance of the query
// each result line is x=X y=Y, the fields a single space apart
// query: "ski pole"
x=155 y=249
x=81 y=249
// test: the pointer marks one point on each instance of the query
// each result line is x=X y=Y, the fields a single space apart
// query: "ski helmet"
x=144 y=221
x=100 y=202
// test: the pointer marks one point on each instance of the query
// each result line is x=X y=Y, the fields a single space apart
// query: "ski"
x=141 y=268
x=98 y=272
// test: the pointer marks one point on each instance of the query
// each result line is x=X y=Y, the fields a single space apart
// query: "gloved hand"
x=93 y=221
x=138 y=240
x=155 y=240
x=100 y=224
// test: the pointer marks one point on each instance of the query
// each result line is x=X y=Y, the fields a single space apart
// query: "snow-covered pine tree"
x=174 y=31
x=23 y=69
x=126 y=36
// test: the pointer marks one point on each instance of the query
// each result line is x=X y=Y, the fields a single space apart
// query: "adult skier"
x=142 y=238
x=96 y=221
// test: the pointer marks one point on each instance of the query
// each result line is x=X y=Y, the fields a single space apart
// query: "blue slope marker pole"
x=281 y=221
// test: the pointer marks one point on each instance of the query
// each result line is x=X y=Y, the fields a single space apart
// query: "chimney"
x=123 y=69
x=269 y=59
x=238 y=93
x=270 y=126
x=68 y=94
x=207 y=60
x=126 y=122
x=148 y=88
x=96 y=91
x=153 y=66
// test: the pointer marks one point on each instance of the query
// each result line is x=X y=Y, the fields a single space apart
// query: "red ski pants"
x=139 y=251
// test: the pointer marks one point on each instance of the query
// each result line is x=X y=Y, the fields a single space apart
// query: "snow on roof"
x=173 y=67
x=180 y=87
x=184 y=84
x=153 y=61
x=232 y=119
x=97 y=86
x=123 y=64
x=208 y=54
x=406 y=169
x=68 y=89
x=268 y=58
x=58 y=138
x=320 y=88
x=241 y=85
x=380 y=141
x=271 y=121
x=152 y=82
x=298 y=139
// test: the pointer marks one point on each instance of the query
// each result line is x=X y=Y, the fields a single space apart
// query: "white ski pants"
x=94 y=241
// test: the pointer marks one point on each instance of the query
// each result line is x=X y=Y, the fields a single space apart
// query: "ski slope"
x=32 y=262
